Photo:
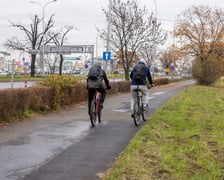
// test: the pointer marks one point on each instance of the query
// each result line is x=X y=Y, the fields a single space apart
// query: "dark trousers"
x=91 y=92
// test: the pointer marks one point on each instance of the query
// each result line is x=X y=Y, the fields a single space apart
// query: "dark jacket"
x=147 y=74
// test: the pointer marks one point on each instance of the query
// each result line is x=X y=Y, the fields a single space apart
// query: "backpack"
x=139 y=72
x=94 y=73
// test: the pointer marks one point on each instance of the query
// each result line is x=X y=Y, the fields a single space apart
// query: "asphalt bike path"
x=63 y=145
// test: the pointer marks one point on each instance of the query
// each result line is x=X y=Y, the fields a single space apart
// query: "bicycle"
x=139 y=109
x=95 y=110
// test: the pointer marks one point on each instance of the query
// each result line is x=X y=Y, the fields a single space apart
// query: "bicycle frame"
x=97 y=97
x=139 y=100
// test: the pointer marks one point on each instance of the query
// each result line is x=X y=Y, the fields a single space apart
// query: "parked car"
x=186 y=75
x=3 y=73
x=77 y=71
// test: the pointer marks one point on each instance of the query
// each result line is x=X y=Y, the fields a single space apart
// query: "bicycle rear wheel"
x=136 y=114
x=145 y=112
x=99 y=114
x=93 y=113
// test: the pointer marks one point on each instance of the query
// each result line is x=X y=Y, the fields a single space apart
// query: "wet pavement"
x=63 y=145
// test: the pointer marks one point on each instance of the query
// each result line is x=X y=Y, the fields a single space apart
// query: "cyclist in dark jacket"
x=93 y=85
x=142 y=85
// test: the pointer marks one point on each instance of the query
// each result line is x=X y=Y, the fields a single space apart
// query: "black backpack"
x=94 y=73
x=139 y=72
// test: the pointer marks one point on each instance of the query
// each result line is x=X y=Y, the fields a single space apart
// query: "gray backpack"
x=139 y=72
x=94 y=73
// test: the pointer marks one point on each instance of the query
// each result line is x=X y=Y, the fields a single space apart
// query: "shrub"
x=63 y=88
x=14 y=102
x=41 y=98
x=120 y=86
x=207 y=71
x=50 y=94
x=161 y=81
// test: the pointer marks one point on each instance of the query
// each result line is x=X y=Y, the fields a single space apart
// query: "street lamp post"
x=155 y=24
x=108 y=33
x=155 y=8
x=43 y=6
x=154 y=34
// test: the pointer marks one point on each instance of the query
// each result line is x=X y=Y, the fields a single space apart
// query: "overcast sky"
x=84 y=15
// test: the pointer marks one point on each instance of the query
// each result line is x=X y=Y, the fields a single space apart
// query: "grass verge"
x=183 y=140
x=8 y=78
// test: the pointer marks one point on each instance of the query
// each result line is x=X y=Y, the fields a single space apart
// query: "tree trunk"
x=126 y=70
x=33 y=59
x=127 y=75
x=61 y=64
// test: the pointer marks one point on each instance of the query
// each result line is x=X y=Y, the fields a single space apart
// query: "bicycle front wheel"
x=136 y=114
x=93 y=113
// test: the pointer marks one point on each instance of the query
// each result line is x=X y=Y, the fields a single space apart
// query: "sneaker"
x=132 y=115
x=145 y=107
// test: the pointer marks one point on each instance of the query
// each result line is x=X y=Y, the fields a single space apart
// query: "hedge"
x=16 y=103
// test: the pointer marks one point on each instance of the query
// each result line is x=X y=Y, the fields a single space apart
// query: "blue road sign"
x=26 y=63
x=172 y=68
x=106 y=56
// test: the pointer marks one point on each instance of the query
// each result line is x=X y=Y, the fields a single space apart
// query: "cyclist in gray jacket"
x=142 y=85
x=97 y=84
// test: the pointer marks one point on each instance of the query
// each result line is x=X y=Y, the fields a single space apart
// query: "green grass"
x=183 y=140
x=8 y=78
x=220 y=83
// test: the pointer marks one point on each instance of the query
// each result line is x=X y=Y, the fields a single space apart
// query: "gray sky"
x=84 y=15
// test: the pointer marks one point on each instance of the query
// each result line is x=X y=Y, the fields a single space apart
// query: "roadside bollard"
x=25 y=84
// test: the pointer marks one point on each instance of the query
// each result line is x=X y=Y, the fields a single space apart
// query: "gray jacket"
x=99 y=82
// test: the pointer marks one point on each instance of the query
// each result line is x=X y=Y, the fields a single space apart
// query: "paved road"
x=62 y=145
x=5 y=85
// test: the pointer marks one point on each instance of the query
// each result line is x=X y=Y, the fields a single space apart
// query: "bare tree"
x=169 y=57
x=118 y=58
x=148 y=50
x=129 y=29
x=202 y=31
x=58 y=40
x=33 y=38
x=52 y=62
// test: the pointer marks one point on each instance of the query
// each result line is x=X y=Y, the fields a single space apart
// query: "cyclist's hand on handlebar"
x=150 y=86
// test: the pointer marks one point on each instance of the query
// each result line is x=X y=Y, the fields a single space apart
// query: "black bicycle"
x=139 y=108
x=95 y=110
